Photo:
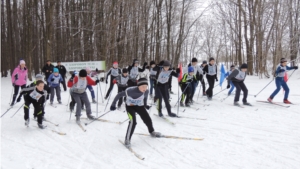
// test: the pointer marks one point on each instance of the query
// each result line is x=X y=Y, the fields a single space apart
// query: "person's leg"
x=231 y=88
x=159 y=99
x=237 y=91
x=16 y=91
x=57 y=89
x=165 y=96
x=78 y=102
x=151 y=86
x=110 y=87
x=183 y=86
x=52 y=94
x=203 y=85
x=120 y=89
x=286 y=90
x=132 y=122
x=278 y=87
x=39 y=112
x=84 y=98
x=245 y=91
x=188 y=94
x=209 y=90
x=64 y=83
x=145 y=117
x=26 y=110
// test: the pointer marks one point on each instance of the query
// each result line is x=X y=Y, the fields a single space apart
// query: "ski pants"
x=280 y=82
x=163 y=93
x=64 y=82
x=84 y=98
x=38 y=110
x=231 y=88
x=211 y=83
x=203 y=85
x=57 y=90
x=16 y=91
x=194 y=85
x=111 y=86
x=151 y=86
x=186 y=92
x=240 y=86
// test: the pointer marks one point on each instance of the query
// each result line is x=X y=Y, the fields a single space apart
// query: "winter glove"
x=296 y=67
x=73 y=75
x=228 y=86
x=52 y=79
x=96 y=70
x=147 y=107
x=19 y=99
x=113 y=108
x=114 y=81
x=48 y=95
x=216 y=79
x=13 y=84
x=106 y=81
x=177 y=70
x=16 y=77
x=145 y=63
x=189 y=65
x=97 y=81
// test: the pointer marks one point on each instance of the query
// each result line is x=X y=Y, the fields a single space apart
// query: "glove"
x=177 y=70
x=13 y=84
x=106 y=81
x=48 y=95
x=73 y=75
x=147 y=107
x=114 y=81
x=145 y=63
x=16 y=77
x=228 y=86
x=216 y=79
x=97 y=81
x=296 y=67
x=112 y=108
x=96 y=70
x=19 y=99
x=189 y=64
x=52 y=79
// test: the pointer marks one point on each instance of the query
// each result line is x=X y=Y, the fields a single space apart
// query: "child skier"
x=114 y=72
x=161 y=89
x=78 y=86
x=198 y=72
x=37 y=96
x=91 y=74
x=282 y=68
x=211 y=76
x=204 y=63
x=237 y=77
x=54 y=81
x=19 y=79
x=152 y=77
x=232 y=68
x=136 y=102
x=186 y=88
x=122 y=81
x=134 y=72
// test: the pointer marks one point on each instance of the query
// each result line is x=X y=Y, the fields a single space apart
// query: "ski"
x=79 y=124
x=51 y=122
x=190 y=118
x=52 y=105
x=60 y=133
x=133 y=152
x=108 y=121
x=167 y=120
x=240 y=106
x=277 y=104
x=172 y=137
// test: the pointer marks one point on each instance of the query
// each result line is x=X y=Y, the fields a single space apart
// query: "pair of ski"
x=162 y=136
x=57 y=132
x=102 y=120
x=172 y=123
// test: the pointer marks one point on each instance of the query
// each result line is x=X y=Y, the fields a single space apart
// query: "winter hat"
x=191 y=69
x=152 y=63
x=22 y=62
x=283 y=60
x=82 y=73
x=211 y=58
x=87 y=69
x=124 y=70
x=135 y=61
x=142 y=81
x=166 y=63
x=115 y=63
x=232 y=66
x=55 y=70
x=194 y=60
x=161 y=63
x=244 y=66
x=38 y=76
x=204 y=62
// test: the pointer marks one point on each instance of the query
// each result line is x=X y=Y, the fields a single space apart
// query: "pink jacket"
x=22 y=76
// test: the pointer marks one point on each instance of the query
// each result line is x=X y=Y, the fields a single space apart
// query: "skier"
x=78 y=86
x=134 y=72
x=198 y=72
x=136 y=102
x=54 y=80
x=161 y=89
x=186 y=87
x=37 y=96
x=122 y=81
x=237 y=77
x=19 y=79
x=204 y=63
x=153 y=71
x=232 y=68
x=211 y=76
x=72 y=103
x=62 y=71
x=47 y=70
x=91 y=74
x=281 y=69
x=114 y=72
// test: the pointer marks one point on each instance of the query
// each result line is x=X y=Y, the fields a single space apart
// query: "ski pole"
x=17 y=111
x=291 y=74
x=97 y=101
x=219 y=92
x=6 y=111
x=68 y=101
x=264 y=87
x=124 y=121
x=199 y=91
x=11 y=95
x=182 y=94
x=178 y=99
x=100 y=90
x=97 y=118
x=109 y=98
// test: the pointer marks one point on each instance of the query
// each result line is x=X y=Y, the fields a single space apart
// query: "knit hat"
x=135 y=61
x=142 y=81
x=82 y=73
x=22 y=62
x=152 y=63
x=194 y=60
x=115 y=63
x=55 y=70
x=38 y=76
x=166 y=63
x=232 y=66
x=124 y=70
x=211 y=58
x=87 y=69
x=283 y=60
x=244 y=66
x=191 y=69
x=204 y=62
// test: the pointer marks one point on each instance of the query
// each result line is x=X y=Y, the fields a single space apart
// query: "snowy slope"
x=263 y=136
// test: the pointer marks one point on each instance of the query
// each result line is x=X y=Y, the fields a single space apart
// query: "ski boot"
x=89 y=116
x=286 y=101
x=155 y=134
x=94 y=101
x=27 y=122
x=127 y=143
x=41 y=126
x=172 y=114
x=236 y=104
x=181 y=104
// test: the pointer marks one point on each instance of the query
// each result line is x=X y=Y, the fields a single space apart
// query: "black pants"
x=131 y=83
x=163 y=93
x=186 y=89
x=170 y=83
x=211 y=83
x=203 y=85
x=121 y=89
x=111 y=85
x=64 y=83
x=16 y=91
x=131 y=110
x=240 y=86
x=38 y=111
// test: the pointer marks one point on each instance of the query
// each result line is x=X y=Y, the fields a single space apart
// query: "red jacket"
x=90 y=81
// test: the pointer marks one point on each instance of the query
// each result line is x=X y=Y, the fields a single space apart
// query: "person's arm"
x=90 y=81
x=232 y=75
x=118 y=96
x=71 y=82
x=279 y=69
x=175 y=74
x=290 y=68
x=216 y=77
x=49 y=78
x=64 y=71
x=13 y=78
x=183 y=80
x=146 y=97
x=120 y=72
x=44 y=69
x=108 y=73
x=144 y=67
x=205 y=69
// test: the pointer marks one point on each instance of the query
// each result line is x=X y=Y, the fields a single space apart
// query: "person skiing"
x=133 y=71
x=47 y=70
x=204 y=63
x=232 y=68
x=161 y=89
x=114 y=72
x=211 y=76
x=136 y=102
x=122 y=81
x=37 y=96
x=281 y=69
x=198 y=72
x=153 y=71
x=91 y=74
x=72 y=103
x=78 y=86
x=237 y=77
x=186 y=87
x=62 y=71
x=54 y=81
x=19 y=79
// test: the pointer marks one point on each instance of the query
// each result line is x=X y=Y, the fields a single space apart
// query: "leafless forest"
x=258 y=32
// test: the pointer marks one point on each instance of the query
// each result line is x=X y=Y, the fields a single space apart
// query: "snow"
x=263 y=136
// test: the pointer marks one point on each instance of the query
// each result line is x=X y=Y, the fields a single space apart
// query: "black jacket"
x=49 y=68
x=62 y=70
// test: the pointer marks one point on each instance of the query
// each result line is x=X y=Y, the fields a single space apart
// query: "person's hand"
x=113 y=108
x=114 y=81
x=296 y=67
x=48 y=95
x=52 y=79
x=97 y=81
x=147 y=107
x=19 y=99
x=73 y=75
x=216 y=79
x=177 y=70
x=13 y=84
x=228 y=86
x=145 y=63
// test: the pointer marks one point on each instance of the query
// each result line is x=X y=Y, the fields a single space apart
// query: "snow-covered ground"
x=263 y=136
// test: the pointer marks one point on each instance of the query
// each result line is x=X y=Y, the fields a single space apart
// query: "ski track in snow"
x=263 y=136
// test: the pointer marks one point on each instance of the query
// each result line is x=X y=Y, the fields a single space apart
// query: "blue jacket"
x=280 y=71
x=56 y=81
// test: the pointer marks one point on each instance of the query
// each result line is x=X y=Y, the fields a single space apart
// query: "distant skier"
x=232 y=68
x=281 y=69
x=122 y=81
x=211 y=76
x=153 y=71
x=91 y=74
x=47 y=70
x=62 y=71
x=114 y=72
x=133 y=71
x=186 y=87
x=204 y=63
x=54 y=81
x=198 y=72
